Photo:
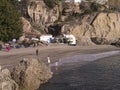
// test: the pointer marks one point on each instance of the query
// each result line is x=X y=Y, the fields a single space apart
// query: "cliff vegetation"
x=10 y=24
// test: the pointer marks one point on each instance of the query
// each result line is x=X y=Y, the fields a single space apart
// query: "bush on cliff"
x=10 y=24
x=51 y=3
x=114 y=5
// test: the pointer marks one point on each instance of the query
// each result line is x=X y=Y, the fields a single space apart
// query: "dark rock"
x=116 y=43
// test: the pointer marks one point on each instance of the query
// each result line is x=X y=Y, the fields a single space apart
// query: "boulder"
x=30 y=74
x=116 y=43
x=6 y=83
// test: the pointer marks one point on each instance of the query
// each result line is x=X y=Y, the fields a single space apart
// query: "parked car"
x=70 y=39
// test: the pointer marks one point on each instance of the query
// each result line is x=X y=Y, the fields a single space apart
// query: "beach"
x=73 y=67
x=54 y=52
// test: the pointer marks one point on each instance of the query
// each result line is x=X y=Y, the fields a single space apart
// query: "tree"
x=10 y=23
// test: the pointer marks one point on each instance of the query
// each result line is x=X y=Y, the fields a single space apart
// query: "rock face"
x=28 y=31
x=6 y=83
x=107 y=26
x=41 y=14
x=27 y=28
x=26 y=25
x=96 y=28
x=30 y=74
x=70 y=9
x=100 y=28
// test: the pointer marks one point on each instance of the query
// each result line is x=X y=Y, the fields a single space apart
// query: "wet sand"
x=84 y=58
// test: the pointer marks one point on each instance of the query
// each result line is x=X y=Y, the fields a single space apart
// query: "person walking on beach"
x=37 y=51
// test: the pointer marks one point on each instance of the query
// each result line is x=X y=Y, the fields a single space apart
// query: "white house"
x=77 y=1
x=102 y=1
x=72 y=1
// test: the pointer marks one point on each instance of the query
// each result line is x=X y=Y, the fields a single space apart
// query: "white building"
x=77 y=1
x=72 y=1
x=102 y=1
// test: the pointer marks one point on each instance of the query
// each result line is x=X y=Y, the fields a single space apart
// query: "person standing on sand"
x=48 y=58
x=8 y=47
x=37 y=51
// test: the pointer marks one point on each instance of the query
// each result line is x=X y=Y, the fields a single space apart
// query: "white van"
x=46 y=38
x=71 y=39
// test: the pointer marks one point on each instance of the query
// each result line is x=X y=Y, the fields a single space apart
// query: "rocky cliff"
x=93 y=28
x=41 y=14
x=27 y=28
x=107 y=26
x=100 y=28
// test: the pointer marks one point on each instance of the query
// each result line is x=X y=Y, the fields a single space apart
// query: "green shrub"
x=88 y=11
x=94 y=6
x=51 y=3
x=10 y=24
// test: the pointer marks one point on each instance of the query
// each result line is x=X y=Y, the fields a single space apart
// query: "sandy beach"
x=55 y=52
x=80 y=60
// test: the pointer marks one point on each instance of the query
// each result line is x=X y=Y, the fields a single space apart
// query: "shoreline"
x=84 y=58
